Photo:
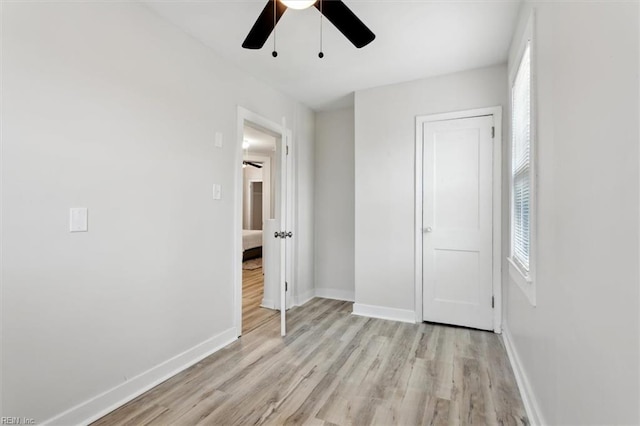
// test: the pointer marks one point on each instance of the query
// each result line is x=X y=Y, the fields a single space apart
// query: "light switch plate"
x=218 y=143
x=216 y=191
x=78 y=219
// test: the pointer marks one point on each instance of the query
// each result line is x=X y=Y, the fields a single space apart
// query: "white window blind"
x=521 y=161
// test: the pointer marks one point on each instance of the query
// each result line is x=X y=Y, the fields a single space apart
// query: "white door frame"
x=496 y=112
x=285 y=137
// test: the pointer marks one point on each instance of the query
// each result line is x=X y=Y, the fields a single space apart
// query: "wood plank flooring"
x=334 y=368
x=253 y=315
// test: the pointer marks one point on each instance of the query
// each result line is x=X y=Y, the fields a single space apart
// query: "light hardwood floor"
x=334 y=368
x=252 y=292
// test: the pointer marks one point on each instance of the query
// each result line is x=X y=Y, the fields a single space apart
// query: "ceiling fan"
x=252 y=164
x=334 y=10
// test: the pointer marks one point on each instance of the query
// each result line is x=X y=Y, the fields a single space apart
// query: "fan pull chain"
x=275 y=12
x=321 y=54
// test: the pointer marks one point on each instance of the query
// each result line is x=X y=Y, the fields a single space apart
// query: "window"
x=522 y=78
x=521 y=173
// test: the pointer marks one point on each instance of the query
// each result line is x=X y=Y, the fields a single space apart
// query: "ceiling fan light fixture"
x=335 y=11
x=298 y=4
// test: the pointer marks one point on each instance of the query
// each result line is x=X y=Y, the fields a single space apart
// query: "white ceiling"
x=259 y=142
x=414 y=39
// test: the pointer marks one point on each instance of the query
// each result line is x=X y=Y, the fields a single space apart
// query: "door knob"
x=427 y=229
x=289 y=234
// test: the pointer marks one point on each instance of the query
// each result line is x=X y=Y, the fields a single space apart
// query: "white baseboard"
x=303 y=298
x=98 y=406
x=403 y=315
x=326 y=293
x=268 y=303
x=330 y=293
x=526 y=391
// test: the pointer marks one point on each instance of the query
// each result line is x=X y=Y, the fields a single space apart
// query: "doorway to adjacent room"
x=265 y=258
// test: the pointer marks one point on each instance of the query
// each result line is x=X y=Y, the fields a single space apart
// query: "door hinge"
x=493 y=131
x=286 y=286
x=493 y=301
x=287 y=149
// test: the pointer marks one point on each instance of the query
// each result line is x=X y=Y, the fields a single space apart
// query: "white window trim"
x=524 y=279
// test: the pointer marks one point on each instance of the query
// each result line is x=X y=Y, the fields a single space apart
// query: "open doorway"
x=254 y=150
x=259 y=192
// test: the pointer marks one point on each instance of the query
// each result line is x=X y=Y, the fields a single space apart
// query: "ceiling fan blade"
x=264 y=25
x=252 y=164
x=346 y=21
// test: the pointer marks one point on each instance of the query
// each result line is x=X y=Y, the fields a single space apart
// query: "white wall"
x=384 y=175
x=107 y=106
x=334 y=201
x=303 y=239
x=579 y=346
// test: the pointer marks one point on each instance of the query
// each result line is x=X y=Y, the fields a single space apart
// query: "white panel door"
x=284 y=222
x=271 y=264
x=277 y=261
x=457 y=222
